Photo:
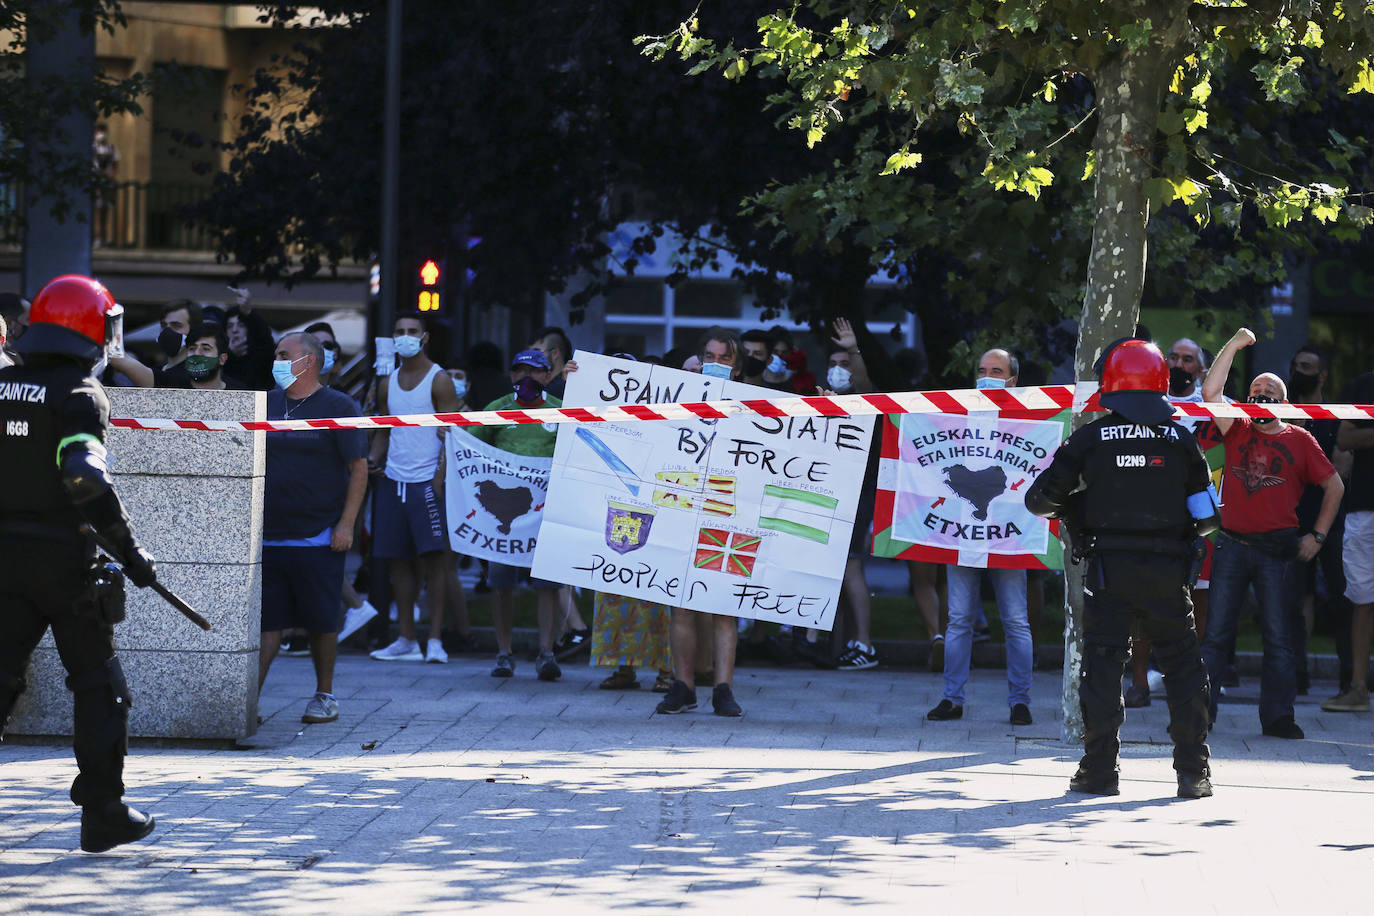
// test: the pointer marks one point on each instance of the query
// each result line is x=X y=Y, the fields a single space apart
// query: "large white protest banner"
x=951 y=489
x=747 y=517
x=494 y=500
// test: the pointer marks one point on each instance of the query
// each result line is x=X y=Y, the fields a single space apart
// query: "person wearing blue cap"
x=530 y=374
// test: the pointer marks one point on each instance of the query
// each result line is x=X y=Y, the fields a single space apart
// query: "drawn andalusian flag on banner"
x=951 y=490
x=800 y=513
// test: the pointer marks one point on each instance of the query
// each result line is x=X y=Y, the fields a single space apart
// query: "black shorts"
x=302 y=587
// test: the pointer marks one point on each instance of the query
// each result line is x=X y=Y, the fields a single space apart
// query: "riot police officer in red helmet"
x=53 y=416
x=1135 y=490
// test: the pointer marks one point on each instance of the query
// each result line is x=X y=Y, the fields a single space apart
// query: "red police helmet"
x=70 y=315
x=1134 y=365
x=1134 y=382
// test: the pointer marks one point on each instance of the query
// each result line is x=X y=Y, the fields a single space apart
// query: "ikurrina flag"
x=951 y=489
x=727 y=551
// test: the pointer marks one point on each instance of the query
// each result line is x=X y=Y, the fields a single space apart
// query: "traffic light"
x=427 y=299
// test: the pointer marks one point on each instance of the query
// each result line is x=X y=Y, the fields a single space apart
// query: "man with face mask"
x=996 y=369
x=408 y=515
x=1268 y=463
x=1307 y=374
x=846 y=373
x=754 y=345
x=314 y=486
x=530 y=374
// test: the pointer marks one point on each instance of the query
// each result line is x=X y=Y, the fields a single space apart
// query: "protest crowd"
x=366 y=550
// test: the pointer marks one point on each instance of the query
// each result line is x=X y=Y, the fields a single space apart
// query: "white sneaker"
x=435 y=654
x=355 y=618
x=402 y=650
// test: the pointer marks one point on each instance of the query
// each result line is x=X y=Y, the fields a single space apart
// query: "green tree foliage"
x=34 y=150
x=1137 y=98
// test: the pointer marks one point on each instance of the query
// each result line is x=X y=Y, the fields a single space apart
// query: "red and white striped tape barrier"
x=1015 y=403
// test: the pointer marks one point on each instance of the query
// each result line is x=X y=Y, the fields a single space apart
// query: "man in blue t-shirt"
x=314 y=487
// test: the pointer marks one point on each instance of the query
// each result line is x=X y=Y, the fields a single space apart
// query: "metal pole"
x=55 y=245
x=391 y=172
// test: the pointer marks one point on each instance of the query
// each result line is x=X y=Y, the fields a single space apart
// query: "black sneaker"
x=546 y=667
x=1194 y=785
x=505 y=666
x=107 y=826
x=1137 y=696
x=858 y=656
x=1090 y=782
x=723 y=702
x=680 y=698
x=1020 y=714
x=1284 y=727
x=945 y=711
x=571 y=643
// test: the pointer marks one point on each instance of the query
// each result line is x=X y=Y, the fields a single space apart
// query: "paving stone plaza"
x=442 y=789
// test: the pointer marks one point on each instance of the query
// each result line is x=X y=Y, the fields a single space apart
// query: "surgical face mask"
x=754 y=366
x=715 y=370
x=528 y=390
x=1262 y=399
x=328 y=361
x=1180 y=380
x=1302 y=385
x=171 y=342
x=776 y=365
x=200 y=367
x=460 y=387
x=281 y=372
x=407 y=346
x=988 y=381
x=838 y=378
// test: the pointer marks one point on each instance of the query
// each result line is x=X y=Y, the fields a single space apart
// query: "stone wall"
x=196 y=503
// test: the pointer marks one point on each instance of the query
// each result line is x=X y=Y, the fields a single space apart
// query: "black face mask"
x=1262 y=399
x=1302 y=385
x=1179 y=380
x=171 y=342
x=753 y=366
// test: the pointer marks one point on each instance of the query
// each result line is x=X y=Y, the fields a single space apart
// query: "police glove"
x=139 y=565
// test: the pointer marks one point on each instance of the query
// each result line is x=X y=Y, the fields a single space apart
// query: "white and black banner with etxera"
x=494 y=499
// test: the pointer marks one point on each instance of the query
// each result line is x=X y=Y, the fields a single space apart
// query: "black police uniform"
x=1132 y=524
x=53 y=417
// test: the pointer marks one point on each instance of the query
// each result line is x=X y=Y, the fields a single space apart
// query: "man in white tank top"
x=408 y=522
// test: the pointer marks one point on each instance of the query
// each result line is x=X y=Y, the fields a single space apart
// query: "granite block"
x=175 y=694
x=179 y=453
x=229 y=596
x=195 y=519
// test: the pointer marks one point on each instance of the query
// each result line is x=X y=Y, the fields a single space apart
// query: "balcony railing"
x=130 y=214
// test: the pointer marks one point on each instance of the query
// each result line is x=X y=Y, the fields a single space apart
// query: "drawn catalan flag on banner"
x=727 y=551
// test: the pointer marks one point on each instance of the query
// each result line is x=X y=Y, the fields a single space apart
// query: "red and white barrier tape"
x=1015 y=403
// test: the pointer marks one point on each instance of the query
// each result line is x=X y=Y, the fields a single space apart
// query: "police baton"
x=156 y=586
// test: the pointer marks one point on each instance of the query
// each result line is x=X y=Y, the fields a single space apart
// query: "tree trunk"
x=1130 y=89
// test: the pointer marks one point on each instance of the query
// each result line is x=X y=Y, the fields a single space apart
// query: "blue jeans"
x=1235 y=567
x=1010 y=586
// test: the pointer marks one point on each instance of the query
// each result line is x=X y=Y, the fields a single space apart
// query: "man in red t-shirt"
x=1268 y=465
